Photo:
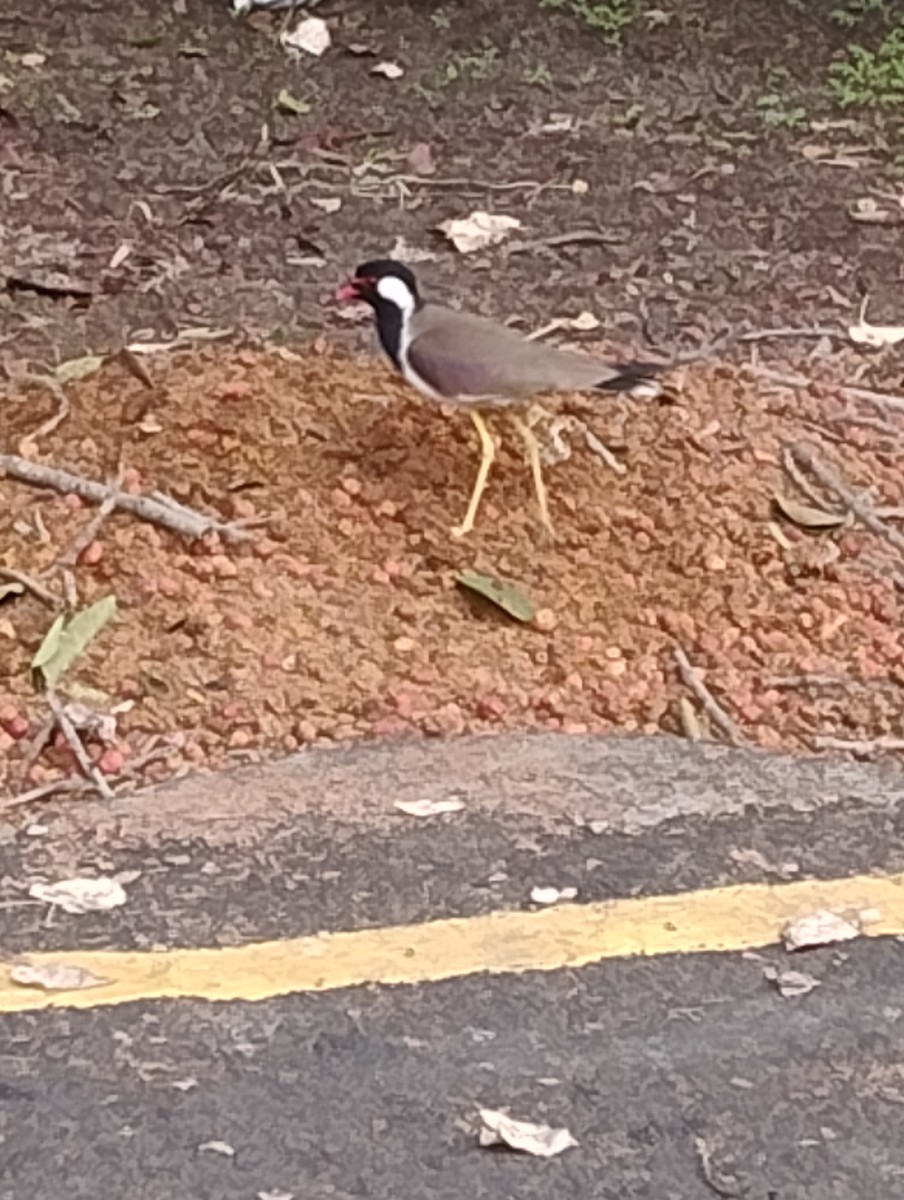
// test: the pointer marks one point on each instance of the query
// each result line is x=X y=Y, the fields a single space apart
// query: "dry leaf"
x=690 y=722
x=876 y=336
x=551 y=895
x=79 y=896
x=288 y=103
x=428 y=808
x=791 y=983
x=327 y=204
x=868 y=212
x=584 y=322
x=506 y=596
x=79 y=368
x=821 y=928
x=390 y=70
x=66 y=640
x=310 y=36
x=420 y=159
x=806 y=516
x=478 y=230
x=540 y=1141
x=120 y=254
x=55 y=977
x=218 y=1148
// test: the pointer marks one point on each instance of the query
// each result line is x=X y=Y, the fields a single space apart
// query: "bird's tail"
x=630 y=375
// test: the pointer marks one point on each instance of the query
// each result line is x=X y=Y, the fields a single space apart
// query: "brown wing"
x=469 y=357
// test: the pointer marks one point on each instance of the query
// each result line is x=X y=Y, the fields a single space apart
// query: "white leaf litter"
x=876 y=336
x=389 y=70
x=327 y=204
x=217 y=1148
x=540 y=1141
x=428 y=808
x=822 y=928
x=478 y=231
x=55 y=977
x=79 y=896
x=791 y=983
x=552 y=895
x=310 y=36
x=405 y=252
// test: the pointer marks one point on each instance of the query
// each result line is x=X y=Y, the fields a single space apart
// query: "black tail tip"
x=630 y=375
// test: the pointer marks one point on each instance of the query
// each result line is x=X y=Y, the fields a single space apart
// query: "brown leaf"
x=506 y=596
x=420 y=159
x=806 y=516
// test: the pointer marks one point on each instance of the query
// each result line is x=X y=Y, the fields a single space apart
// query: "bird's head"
x=382 y=282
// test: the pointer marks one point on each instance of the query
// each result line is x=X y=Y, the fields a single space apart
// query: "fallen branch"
x=86 y=536
x=767 y=335
x=32 y=585
x=864 y=513
x=859 y=745
x=44 y=792
x=791 y=380
x=711 y=707
x=156 y=509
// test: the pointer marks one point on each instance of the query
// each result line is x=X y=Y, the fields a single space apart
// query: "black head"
x=365 y=284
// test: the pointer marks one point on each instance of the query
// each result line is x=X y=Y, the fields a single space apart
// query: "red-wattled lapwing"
x=469 y=362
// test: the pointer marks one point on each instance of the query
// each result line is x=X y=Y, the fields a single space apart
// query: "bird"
x=469 y=362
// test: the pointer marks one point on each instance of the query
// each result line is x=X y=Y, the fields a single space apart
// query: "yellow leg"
x=487 y=454
x=533 y=456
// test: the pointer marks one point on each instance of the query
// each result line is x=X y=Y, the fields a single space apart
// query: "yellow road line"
x=719 y=919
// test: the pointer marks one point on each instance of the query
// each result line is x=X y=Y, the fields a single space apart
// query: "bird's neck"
x=393 y=331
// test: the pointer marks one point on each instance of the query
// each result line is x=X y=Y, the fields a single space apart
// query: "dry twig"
x=32 y=585
x=864 y=513
x=86 y=536
x=156 y=509
x=70 y=733
x=711 y=707
x=44 y=792
x=861 y=746
x=790 y=380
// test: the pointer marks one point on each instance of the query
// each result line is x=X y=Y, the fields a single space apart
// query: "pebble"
x=545 y=620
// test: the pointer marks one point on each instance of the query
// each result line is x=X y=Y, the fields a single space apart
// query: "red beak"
x=348 y=292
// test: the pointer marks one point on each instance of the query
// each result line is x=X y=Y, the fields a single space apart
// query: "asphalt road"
x=681 y=1076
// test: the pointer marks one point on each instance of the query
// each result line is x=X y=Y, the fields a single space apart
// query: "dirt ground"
x=141 y=204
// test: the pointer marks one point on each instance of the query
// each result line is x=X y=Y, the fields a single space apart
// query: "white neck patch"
x=393 y=289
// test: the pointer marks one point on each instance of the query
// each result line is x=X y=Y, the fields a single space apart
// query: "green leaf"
x=287 y=103
x=79 y=368
x=67 y=639
x=506 y=596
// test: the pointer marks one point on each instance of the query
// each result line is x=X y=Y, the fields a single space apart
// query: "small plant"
x=474 y=65
x=609 y=17
x=871 y=79
x=538 y=76
x=774 y=106
x=853 y=12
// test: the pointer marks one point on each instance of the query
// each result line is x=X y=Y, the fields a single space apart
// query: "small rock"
x=545 y=620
